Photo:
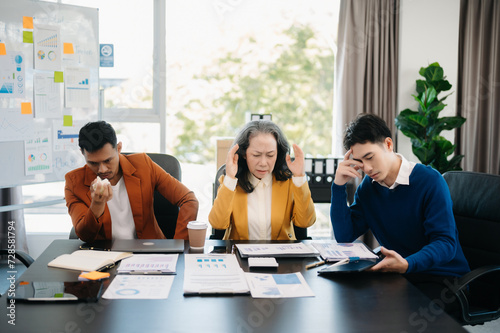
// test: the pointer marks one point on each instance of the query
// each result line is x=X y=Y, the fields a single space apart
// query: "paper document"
x=139 y=287
x=278 y=285
x=213 y=274
x=149 y=264
x=276 y=250
x=338 y=251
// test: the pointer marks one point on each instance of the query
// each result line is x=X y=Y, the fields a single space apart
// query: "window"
x=225 y=60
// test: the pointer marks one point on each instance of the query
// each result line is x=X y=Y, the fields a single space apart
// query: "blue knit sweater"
x=414 y=220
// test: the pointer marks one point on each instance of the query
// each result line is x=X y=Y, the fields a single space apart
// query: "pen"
x=316 y=264
x=341 y=262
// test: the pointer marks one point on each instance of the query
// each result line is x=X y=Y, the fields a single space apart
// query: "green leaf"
x=433 y=73
x=420 y=99
x=449 y=123
x=455 y=163
x=424 y=153
x=444 y=146
x=442 y=85
x=418 y=119
x=431 y=95
x=437 y=106
x=407 y=125
x=421 y=86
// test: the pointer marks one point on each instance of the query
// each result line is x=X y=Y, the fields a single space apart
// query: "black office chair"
x=165 y=212
x=22 y=256
x=300 y=233
x=476 y=208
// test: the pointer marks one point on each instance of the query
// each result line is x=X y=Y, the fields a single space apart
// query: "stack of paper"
x=213 y=274
x=149 y=264
x=276 y=250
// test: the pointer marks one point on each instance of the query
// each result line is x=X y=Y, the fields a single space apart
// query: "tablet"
x=89 y=291
x=350 y=267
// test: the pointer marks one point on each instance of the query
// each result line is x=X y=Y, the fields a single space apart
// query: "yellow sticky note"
x=3 y=51
x=58 y=77
x=67 y=120
x=27 y=22
x=68 y=48
x=28 y=37
x=26 y=108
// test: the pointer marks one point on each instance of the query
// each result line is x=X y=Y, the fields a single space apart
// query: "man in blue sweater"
x=406 y=205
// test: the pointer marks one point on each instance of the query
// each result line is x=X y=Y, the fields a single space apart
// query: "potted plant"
x=424 y=126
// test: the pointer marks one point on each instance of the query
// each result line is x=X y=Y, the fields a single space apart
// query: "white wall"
x=428 y=32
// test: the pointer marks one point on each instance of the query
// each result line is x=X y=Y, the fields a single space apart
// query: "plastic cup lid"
x=197 y=225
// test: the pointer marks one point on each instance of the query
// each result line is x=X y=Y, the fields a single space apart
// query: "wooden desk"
x=363 y=302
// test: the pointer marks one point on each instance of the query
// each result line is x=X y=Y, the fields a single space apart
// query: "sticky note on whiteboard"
x=27 y=22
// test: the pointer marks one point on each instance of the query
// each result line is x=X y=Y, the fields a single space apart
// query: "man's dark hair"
x=93 y=136
x=252 y=129
x=366 y=128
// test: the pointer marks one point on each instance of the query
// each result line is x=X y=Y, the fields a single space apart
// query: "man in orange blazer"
x=112 y=195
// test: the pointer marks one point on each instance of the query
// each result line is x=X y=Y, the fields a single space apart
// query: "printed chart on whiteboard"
x=77 y=89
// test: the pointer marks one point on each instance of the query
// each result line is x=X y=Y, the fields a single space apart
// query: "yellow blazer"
x=291 y=205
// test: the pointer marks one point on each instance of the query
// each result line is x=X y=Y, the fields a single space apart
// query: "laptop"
x=149 y=245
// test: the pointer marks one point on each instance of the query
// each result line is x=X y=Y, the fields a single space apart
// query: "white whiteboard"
x=40 y=147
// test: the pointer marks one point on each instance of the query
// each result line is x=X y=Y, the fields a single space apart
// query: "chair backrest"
x=476 y=207
x=300 y=233
x=165 y=212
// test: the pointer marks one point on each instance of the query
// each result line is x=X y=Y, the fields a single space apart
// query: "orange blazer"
x=142 y=177
x=291 y=205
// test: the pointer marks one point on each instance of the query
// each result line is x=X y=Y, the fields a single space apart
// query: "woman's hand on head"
x=297 y=167
x=232 y=162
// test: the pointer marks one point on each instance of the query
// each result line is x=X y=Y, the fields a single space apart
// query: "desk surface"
x=365 y=302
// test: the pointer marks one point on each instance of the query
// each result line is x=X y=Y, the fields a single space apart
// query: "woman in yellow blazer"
x=263 y=193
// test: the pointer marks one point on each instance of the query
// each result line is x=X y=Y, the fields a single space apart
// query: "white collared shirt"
x=122 y=220
x=404 y=173
x=259 y=207
x=259 y=204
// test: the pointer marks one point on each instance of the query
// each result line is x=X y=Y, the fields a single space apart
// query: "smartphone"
x=89 y=291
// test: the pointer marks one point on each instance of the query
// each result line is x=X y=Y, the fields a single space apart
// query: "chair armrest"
x=23 y=257
x=473 y=275
x=460 y=290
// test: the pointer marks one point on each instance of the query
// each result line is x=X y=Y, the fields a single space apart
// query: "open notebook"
x=88 y=260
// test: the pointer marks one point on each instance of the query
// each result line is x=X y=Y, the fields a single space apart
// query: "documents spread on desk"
x=126 y=286
x=149 y=264
x=276 y=250
x=338 y=251
x=278 y=285
x=213 y=274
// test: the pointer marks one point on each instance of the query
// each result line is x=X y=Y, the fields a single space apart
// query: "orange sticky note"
x=26 y=108
x=68 y=48
x=27 y=22
x=3 y=51
x=94 y=275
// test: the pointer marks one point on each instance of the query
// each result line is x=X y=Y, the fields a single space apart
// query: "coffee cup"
x=197 y=232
